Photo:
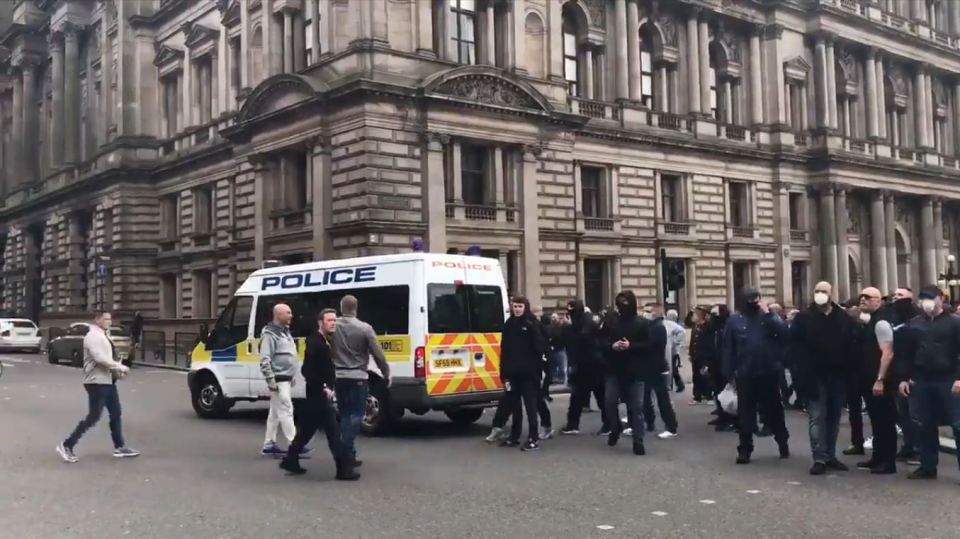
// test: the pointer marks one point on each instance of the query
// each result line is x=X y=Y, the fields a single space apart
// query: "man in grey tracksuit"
x=278 y=363
x=354 y=343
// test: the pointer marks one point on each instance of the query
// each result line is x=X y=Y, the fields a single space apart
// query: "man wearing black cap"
x=932 y=378
x=753 y=345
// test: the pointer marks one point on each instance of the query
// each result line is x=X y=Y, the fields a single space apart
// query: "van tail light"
x=420 y=363
x=5 y=333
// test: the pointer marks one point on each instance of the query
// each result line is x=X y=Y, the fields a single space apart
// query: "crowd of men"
x=898 y=355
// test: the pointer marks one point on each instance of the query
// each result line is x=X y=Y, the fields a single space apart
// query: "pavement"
x=205 y=478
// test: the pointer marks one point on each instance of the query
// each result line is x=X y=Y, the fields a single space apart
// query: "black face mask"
x=623 y=307
x=752 y=307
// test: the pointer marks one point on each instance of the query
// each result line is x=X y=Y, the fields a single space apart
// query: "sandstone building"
x=155 y=152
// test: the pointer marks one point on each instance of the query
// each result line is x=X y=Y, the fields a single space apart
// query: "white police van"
x=437 y=317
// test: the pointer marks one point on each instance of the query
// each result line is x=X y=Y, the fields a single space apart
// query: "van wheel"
x=380 y=416
x=463 y=417
x=76 y=359
x=208 y=400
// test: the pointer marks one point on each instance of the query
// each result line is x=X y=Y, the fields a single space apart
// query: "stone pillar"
x=843 y=251
x=424 y=28
x=29 y=144
x=244 y=44
x=920 y=106
x=756 y=83
x=693 y=62
x=928 y=106
x=554 y=28
x=288 y=56
x=186 y=91
x=106 y=80
x=16 y=140
x=57 y=117
x=379 y=23
x=490 y=46
x=71 y=91
x=727 y=102
x=622 y=70
x=928 y=253
x=938 y=237
x=703 y=43
x=531 y=230
x=881 y=100
x=890 y=220
x=821 y=79
x=956 y=118
x=662 y=102
x=871 y=104
x=313 y=7
x=321 y=188
x=832 y=84
x=633 y=48
x=847 y=121
x=517 y=35
x=918 y=11
x=588 y=82
x=878 y=243
x=828 y=236
x=804 y=116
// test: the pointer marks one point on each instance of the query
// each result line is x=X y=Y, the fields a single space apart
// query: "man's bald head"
x=871 y=299
x=282 y=315
x=825 y=287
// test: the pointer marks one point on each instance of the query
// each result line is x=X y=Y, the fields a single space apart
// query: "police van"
x=437 y=317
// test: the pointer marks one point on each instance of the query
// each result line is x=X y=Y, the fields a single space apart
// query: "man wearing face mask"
x=900 y=311
x=933 y=377
x=672 y=335
x=823 y=338
x=875 y=382
x=752 y=353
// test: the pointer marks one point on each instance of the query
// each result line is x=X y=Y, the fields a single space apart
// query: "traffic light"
x=675 y=275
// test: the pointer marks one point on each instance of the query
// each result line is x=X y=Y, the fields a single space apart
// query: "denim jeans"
x=352 y=403
x=825 y=412
x=631 y=391
x=930 y=400
x=99 y=396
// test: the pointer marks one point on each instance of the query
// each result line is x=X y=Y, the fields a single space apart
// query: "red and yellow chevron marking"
x=486 y=378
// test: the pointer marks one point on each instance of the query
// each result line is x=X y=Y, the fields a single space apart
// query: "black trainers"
x=292 y=466
x=743 y=458
x=638 y=448
x=510 y=443
x=531 y=445
x=784 y=450
x=345 y=470
x=867 y=465
x=906 y=455
x=838 y=466
x=818 y=468
x=920 y=473
x=854 y=450
x=884 y=470
x=613 y=438
x=569 y=431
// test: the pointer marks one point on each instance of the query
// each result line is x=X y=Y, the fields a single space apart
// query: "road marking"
x=753 y=492
x=15 y=359
x=43 y=396
x=708 y=502
x=659 y=513
x=6 y=398
x=605 y=527
x=794 y=483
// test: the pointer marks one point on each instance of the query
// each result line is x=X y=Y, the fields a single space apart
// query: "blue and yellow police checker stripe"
x=396 y=348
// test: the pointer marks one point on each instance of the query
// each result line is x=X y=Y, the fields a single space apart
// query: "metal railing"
x=153 y=347
x=598 y=223
x=742 y=231
x=183 y=345
x=680 y=229
x=800 y=139
x=736 y=132
x=480 y=213
x=668 y=120
x=798 y=235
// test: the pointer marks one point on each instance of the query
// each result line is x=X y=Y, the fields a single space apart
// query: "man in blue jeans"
x=354 y=342
x=100 y=374
x=932 y=374
x=823 y=337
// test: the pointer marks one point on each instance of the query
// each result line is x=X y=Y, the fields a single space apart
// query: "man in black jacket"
x=632 y=357
x=823 y=337
x=932 y=372
x=583 y=353
x=876 y=381
x=522 y=348
x=318 y=413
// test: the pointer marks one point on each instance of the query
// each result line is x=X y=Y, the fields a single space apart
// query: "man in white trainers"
x=100 y=374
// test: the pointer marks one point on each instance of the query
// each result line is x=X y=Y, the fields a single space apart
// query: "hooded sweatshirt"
x=522 y=346
x=580 y=340
x=278 y=354
x=643 y=358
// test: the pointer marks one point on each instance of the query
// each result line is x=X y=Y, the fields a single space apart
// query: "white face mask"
x=928 y=305
x=715 y=311
x=821 y=299
x=865 y=318
x=648 y=316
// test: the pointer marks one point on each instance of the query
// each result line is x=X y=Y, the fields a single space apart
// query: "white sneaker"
x=125 y=453
x=66 y=454
x=667 y=435
x=496 y=434
x=627 y=431
x=625 y=420
x=545 y=433
x=868 y=444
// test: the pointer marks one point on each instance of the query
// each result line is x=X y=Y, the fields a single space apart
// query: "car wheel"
x=207 y=398
x=463 y=417
x=52 y=356
x=76 y=359
x=380 y=416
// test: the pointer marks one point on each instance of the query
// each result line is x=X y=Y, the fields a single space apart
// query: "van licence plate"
x=448 y=363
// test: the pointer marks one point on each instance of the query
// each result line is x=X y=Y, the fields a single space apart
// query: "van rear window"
x=464 y=308
x=23 y=324
x=386 y=308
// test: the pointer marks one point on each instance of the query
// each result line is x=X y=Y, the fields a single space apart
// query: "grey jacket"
x=354 y=343
x=278 y=354
x=98 y=362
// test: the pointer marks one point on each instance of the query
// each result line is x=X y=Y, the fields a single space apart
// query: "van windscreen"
x=386 y=308
x=455 y=308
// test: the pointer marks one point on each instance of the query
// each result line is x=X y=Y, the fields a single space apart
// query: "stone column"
x=828 y=235
x=756 y=83
x=588 y=82
x=890 y=220
x=633 y=48
x=16 y=140
x=531 y=230
x=821 y=79
x=186 y=91
x=787 y=100
x=928 y=106
x=727 y=102
x=517 y=38
x=832 y=84
x=106 y=80
x=804 y=116
x=871 y=104
x=878 y=243
x=71 y=91
x=928 y=253
x=622 y=70
x=321 y=188
x=918 y=10
x=313 y=7
x=938 y=236
x=847 y=121
x=843 y=255
x=490 y=46
x=30 y=122
x=662 y=103
x=693 y=62
x=920 y=106
x=703 y=42
x=956 y=117
x=424 y=28
x=288 y=65
x=57 y=116
x=881 y=100
x=244 y=45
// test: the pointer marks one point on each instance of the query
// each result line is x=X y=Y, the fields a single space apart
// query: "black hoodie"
x=580 y=340
x=522 y=346
x=642 y=359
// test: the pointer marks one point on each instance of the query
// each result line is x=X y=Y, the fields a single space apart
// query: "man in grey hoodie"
x=278 y=363
x=354 y=343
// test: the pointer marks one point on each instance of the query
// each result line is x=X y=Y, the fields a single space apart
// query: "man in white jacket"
x=100 y=374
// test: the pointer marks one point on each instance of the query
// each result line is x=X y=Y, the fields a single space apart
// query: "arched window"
x=535 y=62
x=578 y=65
x=571 y=62
x=647 y=91
x=256 y=55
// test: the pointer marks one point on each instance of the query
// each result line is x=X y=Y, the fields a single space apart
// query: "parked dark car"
x=70 y=345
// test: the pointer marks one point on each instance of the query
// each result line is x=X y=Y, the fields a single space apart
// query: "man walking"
x=584 y=355
x=933 y=377
x=671 y=335
x=354 y=342
x=319 y=412
x=633 y=357
x=100 y=374
x=823 y=336
x=752 y=350
x=522 y=348
x=278 y=363
x=877 y=382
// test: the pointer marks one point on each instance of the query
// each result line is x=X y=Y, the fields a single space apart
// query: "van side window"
x=464 y=308
x=386 y=308
x=231 y=327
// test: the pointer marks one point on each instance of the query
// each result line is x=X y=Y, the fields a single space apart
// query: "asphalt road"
x=200 y=478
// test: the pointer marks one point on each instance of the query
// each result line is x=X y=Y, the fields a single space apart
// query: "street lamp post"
x=951 y=278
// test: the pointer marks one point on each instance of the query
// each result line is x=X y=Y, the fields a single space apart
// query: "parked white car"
x=19 y=334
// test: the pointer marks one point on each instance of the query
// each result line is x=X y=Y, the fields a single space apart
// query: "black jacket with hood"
x=522 y=346
x=642 y=359
x=580 y=338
